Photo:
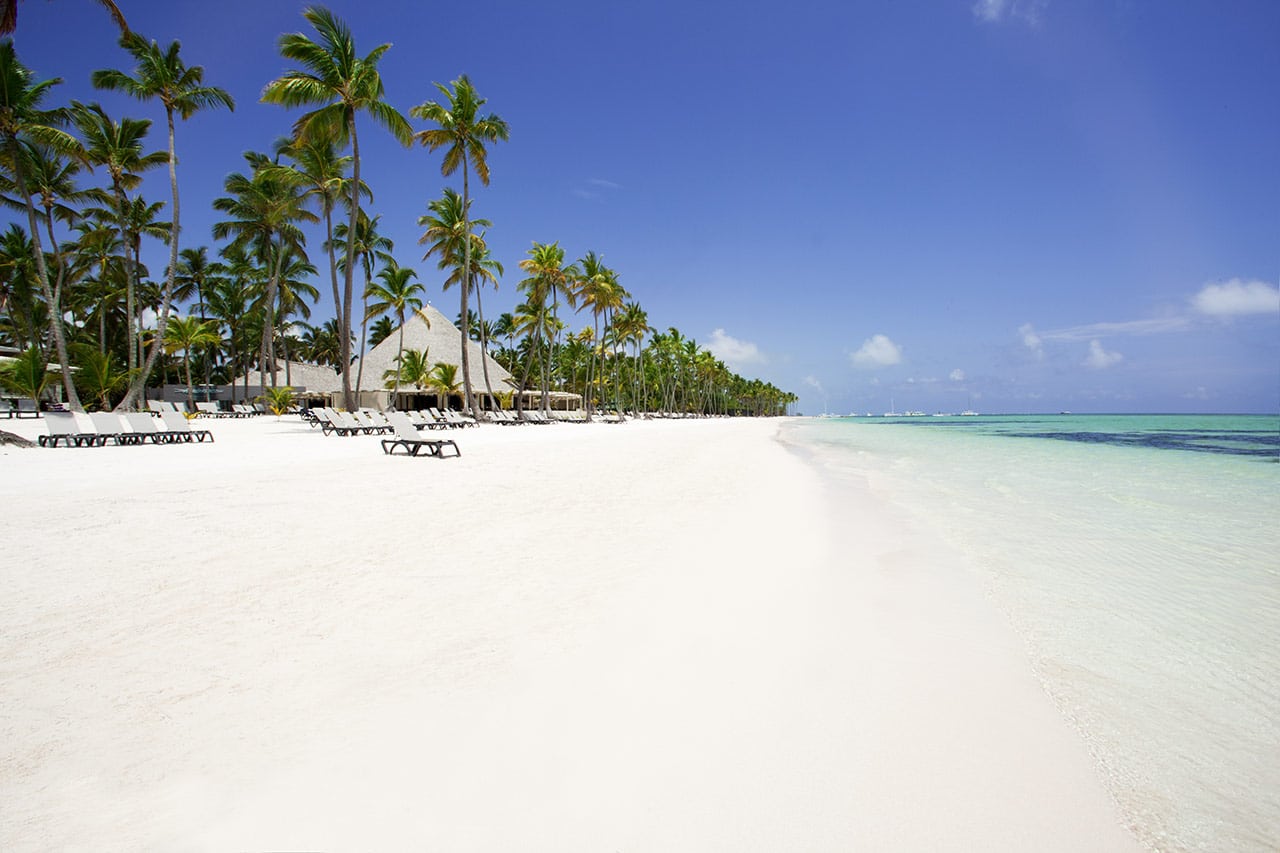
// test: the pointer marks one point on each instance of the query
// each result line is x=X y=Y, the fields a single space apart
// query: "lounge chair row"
x=22 y=408
x=368 y=422
x=130 y=429
x=209 y=409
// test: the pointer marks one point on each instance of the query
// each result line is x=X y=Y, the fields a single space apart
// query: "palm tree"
x=294 y=296
x=22 y=119
x=633 y=323
x=547 y=275
x=98 y=374
x=322 y=344
x=9 y=15
x=323 y=173
x=380 y=330
x=185 y=334
x=161 y=74
x=334 y=76
x=51 y=178
x=396 y=293
x=195 y=271
x=17 y=287
x=134 y=218
x=444 y=378
x=368 y=246
x=117 y=146
x=264 y=210
x=463 y=132
x=413 y=368
x=28 y=375
x=228 y=303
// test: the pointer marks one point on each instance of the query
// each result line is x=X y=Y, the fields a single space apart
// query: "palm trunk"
x=395 y=393
x=55 y=315
x=191 y=397
x=470 y=400
x=166 y=298
x=484 y=348
x=266 y=349
x=348 y=399
x=364 y=324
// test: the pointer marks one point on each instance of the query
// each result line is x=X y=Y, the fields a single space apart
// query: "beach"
x=650 y=636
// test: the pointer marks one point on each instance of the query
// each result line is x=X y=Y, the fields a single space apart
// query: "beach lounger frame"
x=407 y=437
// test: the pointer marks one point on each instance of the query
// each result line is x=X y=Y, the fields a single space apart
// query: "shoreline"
x=664 y=635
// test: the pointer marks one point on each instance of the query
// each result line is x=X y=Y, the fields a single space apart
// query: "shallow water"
x=1139 y=559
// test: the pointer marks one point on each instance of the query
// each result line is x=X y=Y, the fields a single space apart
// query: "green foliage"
x=414 y=369
x=278 y=400
x=27 y=374
x=99 y=376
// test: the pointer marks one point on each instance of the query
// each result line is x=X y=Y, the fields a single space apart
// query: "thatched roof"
x=443 y=342
x=315 y=378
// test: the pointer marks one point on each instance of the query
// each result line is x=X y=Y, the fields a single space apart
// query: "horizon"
x=1023 y=204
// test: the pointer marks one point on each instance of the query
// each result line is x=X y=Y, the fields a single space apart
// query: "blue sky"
x=1019 y=205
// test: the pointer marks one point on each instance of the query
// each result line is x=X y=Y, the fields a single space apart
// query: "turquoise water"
x=1139 y=559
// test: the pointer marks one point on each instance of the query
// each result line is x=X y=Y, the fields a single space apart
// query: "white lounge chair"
x=177 y=424
x=65 y=429
x=408 y=437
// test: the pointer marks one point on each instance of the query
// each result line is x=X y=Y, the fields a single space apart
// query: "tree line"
x=75 y=295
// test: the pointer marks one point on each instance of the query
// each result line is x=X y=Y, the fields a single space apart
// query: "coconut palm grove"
x=84 y=320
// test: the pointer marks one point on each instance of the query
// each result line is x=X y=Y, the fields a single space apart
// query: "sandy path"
x=649 y=637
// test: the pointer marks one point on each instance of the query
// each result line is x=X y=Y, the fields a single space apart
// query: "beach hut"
x=312 y=384
x=432 y=331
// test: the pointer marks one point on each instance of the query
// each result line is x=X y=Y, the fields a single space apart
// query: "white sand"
x=650 y=637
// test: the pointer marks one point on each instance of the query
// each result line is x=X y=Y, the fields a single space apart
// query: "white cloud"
x=734 y=352
x=812 y=382
x=1031 y=340
x=1100 y=358
x=1154 y=326
x=877 y=351
x=995 y=11
x=608 y=185
x=957 y=375
x=1237 y=298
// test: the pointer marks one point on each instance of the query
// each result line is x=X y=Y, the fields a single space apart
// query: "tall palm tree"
x=397 y=293
x=295 y=295
x=547 y=274
x=162 y=75
x=134 y=218
x=335 y=77
x=323 y=174
x=117 y=146
x=448 y=235
x=462 y=132
x=51 y=179
x=17 y=288
x=265 y=208
x=634 y=325
x=22 y=119
x=186 y=334
x=369 y=246
x=228 y=301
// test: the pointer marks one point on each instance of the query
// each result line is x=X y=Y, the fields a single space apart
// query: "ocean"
x=1138 y=558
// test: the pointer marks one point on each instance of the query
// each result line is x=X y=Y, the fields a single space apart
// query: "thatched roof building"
x=432 y=331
